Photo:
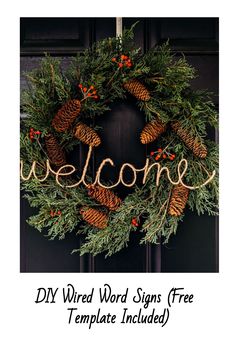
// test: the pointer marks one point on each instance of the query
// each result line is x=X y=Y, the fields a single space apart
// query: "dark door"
x=195 y=246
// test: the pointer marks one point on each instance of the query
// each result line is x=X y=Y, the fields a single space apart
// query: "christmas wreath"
x=62 y=109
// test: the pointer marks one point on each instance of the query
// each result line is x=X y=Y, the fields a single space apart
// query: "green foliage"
x=169 y=81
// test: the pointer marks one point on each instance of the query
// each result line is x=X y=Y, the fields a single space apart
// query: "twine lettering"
x=70 y=169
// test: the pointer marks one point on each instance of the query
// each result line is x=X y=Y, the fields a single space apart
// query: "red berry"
x=80 y=85
x=159 y=150
x=113 y=59
x=91 y=87
x=94 y=92
x=85 y=89
x=157 y=157
x=120 y=65
x=96 y=97
x=89 y=94
x=134 y=222
x=164 y=156
x=152 y=153
x=59 y=212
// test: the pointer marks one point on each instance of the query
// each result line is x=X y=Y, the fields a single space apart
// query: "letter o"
x=134 y=172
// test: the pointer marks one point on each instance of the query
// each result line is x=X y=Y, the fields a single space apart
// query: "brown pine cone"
x=87 y=135
x=152 y=131
x=199 y=149
x=94 y=217
x=66 y=115
x=55 y=153
x=137 y=89
x=178 y=200
x=104 y=196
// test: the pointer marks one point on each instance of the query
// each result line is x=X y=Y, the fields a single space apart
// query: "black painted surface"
x=195 y=246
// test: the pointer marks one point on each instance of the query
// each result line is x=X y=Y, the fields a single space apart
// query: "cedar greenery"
x=171 y=99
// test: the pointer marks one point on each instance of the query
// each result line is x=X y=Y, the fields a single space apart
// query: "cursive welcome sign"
x=70 y=169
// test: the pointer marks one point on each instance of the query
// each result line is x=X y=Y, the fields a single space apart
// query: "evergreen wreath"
x=60 y=109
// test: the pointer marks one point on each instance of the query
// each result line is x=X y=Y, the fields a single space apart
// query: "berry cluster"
x=88 y=92
x=55 y=213
x=134 y=222
x=32 y=134
x=122 y=61
x=160 y=153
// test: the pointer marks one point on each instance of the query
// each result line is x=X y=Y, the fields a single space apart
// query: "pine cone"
x=178 y=200
x=137 y=89
x=55 y=153
x=66 y=115
x=192 y=143
x=87 y=135
x=94 y=217
x=152 y=131
x=104 y=196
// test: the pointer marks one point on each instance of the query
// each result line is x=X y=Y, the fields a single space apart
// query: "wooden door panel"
x=194 y=248
x=104 y=27
x=188 y=35
x=207 y=67
x=54 y=35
